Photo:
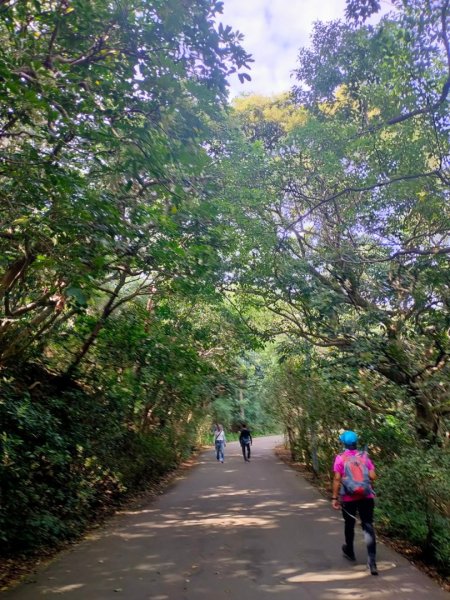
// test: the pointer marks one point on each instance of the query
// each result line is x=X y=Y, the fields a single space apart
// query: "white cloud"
x=274 y=31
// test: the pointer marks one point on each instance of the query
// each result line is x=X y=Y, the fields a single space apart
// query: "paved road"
x=227 y=532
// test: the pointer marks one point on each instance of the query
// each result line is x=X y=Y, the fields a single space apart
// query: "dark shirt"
x=245 y=437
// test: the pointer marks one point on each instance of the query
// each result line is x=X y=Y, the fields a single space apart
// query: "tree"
x=347 y=216
x=101 y=143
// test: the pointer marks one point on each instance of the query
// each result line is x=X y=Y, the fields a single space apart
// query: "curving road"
x=250 y=531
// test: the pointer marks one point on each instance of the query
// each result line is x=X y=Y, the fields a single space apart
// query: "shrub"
x=414 y=501
x=65 y=457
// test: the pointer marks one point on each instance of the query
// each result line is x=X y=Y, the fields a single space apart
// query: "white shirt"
x=219 y=436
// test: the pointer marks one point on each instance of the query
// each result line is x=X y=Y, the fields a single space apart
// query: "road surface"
x=249 y=531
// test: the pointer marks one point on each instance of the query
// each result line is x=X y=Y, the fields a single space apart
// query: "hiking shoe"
x=372 y=565
x=350 y=555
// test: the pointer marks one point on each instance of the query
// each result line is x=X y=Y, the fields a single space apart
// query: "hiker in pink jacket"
x=354 y=474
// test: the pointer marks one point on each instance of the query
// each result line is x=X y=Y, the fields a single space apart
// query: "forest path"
x=239 y=530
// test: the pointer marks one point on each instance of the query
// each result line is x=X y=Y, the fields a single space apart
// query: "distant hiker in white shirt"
x=220 y=443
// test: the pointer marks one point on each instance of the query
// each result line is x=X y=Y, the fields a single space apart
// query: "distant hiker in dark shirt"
x=354 y=474
x=245 y=438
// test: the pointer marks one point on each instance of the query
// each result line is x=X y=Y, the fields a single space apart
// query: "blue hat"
x=348 y=438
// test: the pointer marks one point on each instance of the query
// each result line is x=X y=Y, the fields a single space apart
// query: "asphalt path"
x=227 y=531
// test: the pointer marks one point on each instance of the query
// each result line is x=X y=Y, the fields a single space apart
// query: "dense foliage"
x=113 y=339
x=101 y=150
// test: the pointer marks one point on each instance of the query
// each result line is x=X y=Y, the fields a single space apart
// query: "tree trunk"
x=241 y=405
x=427 y=422
x=107 y=310
x=13 y=273
x=24 y=337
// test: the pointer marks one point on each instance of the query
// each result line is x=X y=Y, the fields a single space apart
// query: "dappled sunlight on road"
x=220 y=493
x=67 y=588
x=263 y=514
x=255 y=530
x=329 y=575
x=138 y=511
x=223 y=520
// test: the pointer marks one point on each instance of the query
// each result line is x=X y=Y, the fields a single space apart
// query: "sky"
x=274 y=31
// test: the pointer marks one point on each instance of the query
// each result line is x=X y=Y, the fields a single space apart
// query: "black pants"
x=364 y=508
x=246 y=448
